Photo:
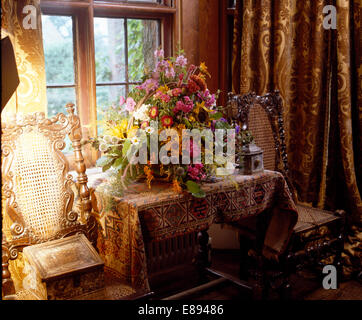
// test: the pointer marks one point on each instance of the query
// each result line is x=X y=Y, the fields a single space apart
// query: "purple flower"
x=181 y=61
x=237 y=129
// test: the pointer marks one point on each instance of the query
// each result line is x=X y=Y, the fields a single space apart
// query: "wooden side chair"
x=318 y=233
x=38 y=198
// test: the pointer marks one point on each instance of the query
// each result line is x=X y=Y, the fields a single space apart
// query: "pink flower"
x=176 y=92
x=159 y=53
x=196 y=172
x=186 y=105
x=130 y=104
x=122 y=100
x=181 y=61
x=165 y=98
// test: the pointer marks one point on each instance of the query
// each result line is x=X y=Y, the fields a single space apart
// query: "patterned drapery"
x=283 y=45
x=30 y=95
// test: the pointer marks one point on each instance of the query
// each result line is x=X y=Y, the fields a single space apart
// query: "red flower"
x=153 y=112
x=167 y=121
x=192 y=86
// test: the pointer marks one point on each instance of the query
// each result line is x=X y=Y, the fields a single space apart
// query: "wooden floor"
x=305 y=286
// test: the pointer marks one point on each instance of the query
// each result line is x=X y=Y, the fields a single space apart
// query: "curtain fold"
x=30 y=95
x=283 y=45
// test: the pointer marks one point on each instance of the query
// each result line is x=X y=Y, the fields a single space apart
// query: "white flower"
x=107 y=139
x=142 y=113
x=103 y=147
x=115 y=140
x=135 y=140
x=149 y=130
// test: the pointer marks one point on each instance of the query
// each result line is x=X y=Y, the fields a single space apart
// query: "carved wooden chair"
x=37 y=191
x=318 y=233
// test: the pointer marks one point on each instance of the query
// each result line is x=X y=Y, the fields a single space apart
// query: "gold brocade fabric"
x=30 y=95
x=283 y=45
x=155 y=214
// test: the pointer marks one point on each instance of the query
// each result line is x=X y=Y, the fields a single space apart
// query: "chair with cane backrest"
x=318 y=233
x=37 y=189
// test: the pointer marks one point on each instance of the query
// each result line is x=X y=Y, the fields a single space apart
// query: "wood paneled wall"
x=203 y=37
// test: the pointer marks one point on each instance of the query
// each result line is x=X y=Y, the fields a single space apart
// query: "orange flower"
x=200 y=82
x=149 y=175
x=176 y=186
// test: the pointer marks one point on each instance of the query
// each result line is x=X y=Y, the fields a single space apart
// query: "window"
x=59 y=61
x=96 y=51
x=123 y=50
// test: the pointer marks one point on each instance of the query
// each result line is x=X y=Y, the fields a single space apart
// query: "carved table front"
x=154 y=214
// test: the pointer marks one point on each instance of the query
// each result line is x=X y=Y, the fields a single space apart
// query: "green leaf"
x=200 y=194
x=195 y=189
x=125 y=148
x=222 y=125
x=118 y=163
x=216 y=116
x=102 y=161
x=192 y=186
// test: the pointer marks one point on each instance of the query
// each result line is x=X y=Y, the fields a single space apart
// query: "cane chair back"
x=36 y=186
x=262 y=115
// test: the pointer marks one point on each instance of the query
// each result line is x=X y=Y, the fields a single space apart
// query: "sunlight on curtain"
x=28 y=46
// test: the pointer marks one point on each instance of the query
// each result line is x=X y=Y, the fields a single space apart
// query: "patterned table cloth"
x=154 y=214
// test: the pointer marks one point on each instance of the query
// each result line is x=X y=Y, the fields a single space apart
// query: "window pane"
x=107 y=96
x=143 y=40
x=58 y=49
x=58 y=98
x=109 y=50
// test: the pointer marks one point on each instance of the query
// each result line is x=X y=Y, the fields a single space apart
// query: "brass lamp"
x=9 y=72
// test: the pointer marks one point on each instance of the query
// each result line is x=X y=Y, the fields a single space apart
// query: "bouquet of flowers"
x=173 y=99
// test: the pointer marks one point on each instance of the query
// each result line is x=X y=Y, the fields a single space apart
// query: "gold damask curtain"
x=28 y=46
x=283 y=45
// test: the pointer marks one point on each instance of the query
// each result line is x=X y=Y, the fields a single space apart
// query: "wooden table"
x=154 y=214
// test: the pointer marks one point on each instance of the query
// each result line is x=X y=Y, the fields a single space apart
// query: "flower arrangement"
x=172 y=98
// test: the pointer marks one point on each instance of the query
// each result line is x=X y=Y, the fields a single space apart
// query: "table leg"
x=202 y=256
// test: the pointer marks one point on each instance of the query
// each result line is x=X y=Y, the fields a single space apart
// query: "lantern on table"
x=250 y=156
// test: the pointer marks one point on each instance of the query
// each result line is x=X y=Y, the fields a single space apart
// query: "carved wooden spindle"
x=75 y=136
x=7 y=283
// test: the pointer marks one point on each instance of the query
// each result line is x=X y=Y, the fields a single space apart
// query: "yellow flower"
x=203 y=69
x=164 y=89
x=118 y=130
x=132 y=132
